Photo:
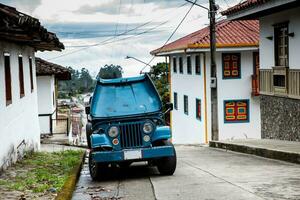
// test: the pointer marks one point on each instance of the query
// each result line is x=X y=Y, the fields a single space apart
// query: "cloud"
x=26 y=6
x=114 y=7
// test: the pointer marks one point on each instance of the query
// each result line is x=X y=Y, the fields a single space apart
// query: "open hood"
x=125 y=97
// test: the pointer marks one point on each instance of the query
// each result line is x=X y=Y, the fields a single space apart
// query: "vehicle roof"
x=121 y=80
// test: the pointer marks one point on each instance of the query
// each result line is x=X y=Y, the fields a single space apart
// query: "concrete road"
x=202 y=173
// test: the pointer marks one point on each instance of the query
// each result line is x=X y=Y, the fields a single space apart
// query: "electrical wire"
x=174 y=31
x=110 y=38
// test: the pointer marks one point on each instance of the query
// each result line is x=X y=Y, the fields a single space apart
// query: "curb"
x=258 y=151
x=68 y=188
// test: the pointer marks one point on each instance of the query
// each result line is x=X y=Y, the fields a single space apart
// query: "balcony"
x=280 y=81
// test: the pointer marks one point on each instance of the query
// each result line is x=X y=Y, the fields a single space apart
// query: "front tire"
x=167 y=165
x=97 y=170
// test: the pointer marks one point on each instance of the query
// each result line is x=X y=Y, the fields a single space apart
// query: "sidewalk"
x=275 y=149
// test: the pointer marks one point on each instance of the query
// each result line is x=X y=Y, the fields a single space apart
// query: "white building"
x=279 y=62
x=19 y=125
x=48 y=75
x=237 y=65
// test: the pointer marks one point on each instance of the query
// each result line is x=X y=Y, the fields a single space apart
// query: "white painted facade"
x=186 y=129
x=292 y=16
x=46 y=101
x=19 y=120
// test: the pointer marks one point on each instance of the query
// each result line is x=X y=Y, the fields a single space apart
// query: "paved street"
x=202 y=173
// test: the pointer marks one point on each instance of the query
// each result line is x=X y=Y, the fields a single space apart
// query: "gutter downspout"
x=170 y=88
x=205 y=99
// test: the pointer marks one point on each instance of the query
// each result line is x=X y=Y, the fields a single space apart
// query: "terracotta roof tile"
x=22 y=28
x=242 y=6
x=241 y=33
x=44 y=67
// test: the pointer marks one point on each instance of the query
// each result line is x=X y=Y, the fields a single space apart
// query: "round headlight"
x=113 y=131
x=148 y=127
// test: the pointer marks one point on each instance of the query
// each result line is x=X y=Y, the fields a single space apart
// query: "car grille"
x=131 y=135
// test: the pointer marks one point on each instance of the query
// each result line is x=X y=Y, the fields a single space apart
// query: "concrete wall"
x=45 y=92
x=186 y=128
x=267 y=58
x=19 y=120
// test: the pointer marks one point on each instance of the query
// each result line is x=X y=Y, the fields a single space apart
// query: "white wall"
x=236 y=89
x=267 y=59
x=19 y=120
x=187 y=129
x=45 y=91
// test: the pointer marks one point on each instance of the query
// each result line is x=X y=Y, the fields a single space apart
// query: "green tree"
x=110 y=72
x=81 y=82
x=159 y=75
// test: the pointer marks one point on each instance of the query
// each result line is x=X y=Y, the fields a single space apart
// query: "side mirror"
x=87 y=110
x=90 y=100
x=169 y=106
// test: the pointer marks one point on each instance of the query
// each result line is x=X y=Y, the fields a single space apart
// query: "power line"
x=186 y=14
x=111 y=38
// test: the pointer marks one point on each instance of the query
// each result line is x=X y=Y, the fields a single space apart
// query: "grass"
x=40 y=171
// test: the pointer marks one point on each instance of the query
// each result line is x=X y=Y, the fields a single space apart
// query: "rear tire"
x=88 y=131
x=97 y=170
x=167 y=165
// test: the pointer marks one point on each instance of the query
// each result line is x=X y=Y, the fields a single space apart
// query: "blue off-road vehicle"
x=125 y=125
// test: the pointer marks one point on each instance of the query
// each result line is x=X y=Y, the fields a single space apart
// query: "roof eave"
x=205 y=47
x=262 y=10
x=171 y=52
x=218 y=45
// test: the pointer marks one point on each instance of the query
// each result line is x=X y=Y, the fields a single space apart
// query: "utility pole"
x=213 y=71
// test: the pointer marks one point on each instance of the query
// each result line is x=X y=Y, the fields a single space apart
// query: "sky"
x=99 y=32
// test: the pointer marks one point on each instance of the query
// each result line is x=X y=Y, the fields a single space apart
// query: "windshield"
x=125 y=97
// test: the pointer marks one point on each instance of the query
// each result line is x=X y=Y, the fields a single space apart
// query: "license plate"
x=132 y=154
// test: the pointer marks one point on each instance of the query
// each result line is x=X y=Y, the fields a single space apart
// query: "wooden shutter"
x=21 y=77
x=8 y=93
x=31 y=74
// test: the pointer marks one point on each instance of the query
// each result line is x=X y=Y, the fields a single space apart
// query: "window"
x=197 y=65
x=174 y=65
x=236 y=111
x=7 y=72
x=281 y=44
x=186 y=104
x=189 y=65
x=198 y=109
x=31 y=74
x=231 y=65
x=180 y=65
x=21 y=77
x=175 y=101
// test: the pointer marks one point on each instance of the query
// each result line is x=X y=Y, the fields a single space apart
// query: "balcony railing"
x=266 y=81
x=294 y=83
x=280 y=81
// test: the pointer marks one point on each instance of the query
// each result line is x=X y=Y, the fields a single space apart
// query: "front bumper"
x=145 y=153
